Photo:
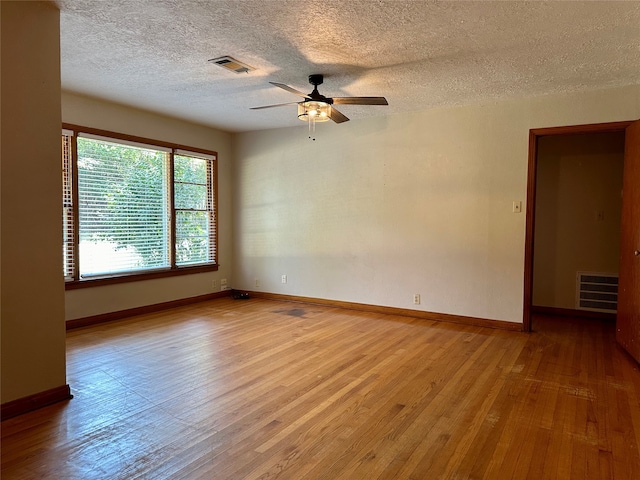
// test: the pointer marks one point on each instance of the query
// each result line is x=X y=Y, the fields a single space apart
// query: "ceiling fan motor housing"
x=316 y=79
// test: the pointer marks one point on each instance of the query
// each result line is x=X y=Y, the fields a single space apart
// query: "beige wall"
x=94 y=113
x=578 y=177
x=32 y=299
x=373 y=211
x=377 y=210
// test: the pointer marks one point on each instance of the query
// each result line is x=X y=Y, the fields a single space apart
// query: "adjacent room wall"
x=32 y=298
x=578 y=213
x=89 y=112
x=377 y=210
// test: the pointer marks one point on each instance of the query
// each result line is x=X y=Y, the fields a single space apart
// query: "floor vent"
x=597 y=292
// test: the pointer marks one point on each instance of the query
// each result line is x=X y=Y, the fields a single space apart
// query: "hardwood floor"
x=260 y=389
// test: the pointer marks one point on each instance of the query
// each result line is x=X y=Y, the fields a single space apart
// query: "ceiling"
x=152 y=54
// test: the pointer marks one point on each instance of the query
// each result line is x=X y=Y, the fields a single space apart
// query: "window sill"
x=138 y=277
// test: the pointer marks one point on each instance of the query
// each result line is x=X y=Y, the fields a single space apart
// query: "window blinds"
x=194 y=207
x=125 y=213
x=68 y=254
x=122 y=208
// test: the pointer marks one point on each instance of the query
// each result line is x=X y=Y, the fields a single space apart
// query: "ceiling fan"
x=317 y=108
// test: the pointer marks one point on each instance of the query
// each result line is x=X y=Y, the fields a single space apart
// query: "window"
x=193 y=205
x=135 y=207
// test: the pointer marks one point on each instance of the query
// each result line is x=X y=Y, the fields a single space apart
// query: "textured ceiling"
x=152 y=54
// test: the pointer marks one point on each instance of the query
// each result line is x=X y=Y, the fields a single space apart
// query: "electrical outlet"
x=257 y=284
x=284 y=279
x=416 y=299
x=517 y=206
x=223 y=284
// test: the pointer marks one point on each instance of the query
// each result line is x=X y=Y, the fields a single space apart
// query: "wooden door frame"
x=534 y=135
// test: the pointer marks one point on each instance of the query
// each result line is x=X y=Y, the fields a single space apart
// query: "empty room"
x=357 y=239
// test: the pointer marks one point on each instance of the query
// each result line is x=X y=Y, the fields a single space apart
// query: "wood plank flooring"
x=260 y=389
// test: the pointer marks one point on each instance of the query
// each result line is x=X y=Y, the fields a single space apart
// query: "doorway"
x=578 y=222
x=535 y=139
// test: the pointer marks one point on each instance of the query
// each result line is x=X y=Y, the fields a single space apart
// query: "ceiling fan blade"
x=337 y=117
x=360 y=101
x=289 y=89
x=271 y=106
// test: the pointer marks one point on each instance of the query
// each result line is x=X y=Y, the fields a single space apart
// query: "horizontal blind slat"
x=100 y=138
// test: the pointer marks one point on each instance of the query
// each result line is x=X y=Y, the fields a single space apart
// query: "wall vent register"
x=597 y=292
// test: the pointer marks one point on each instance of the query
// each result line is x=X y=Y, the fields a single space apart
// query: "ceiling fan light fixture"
x=314 y=111
x=317 y=108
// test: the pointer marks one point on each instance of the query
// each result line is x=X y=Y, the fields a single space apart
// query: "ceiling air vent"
x=232 y=64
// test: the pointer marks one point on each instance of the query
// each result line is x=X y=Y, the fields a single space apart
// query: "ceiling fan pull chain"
x=312 y=128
